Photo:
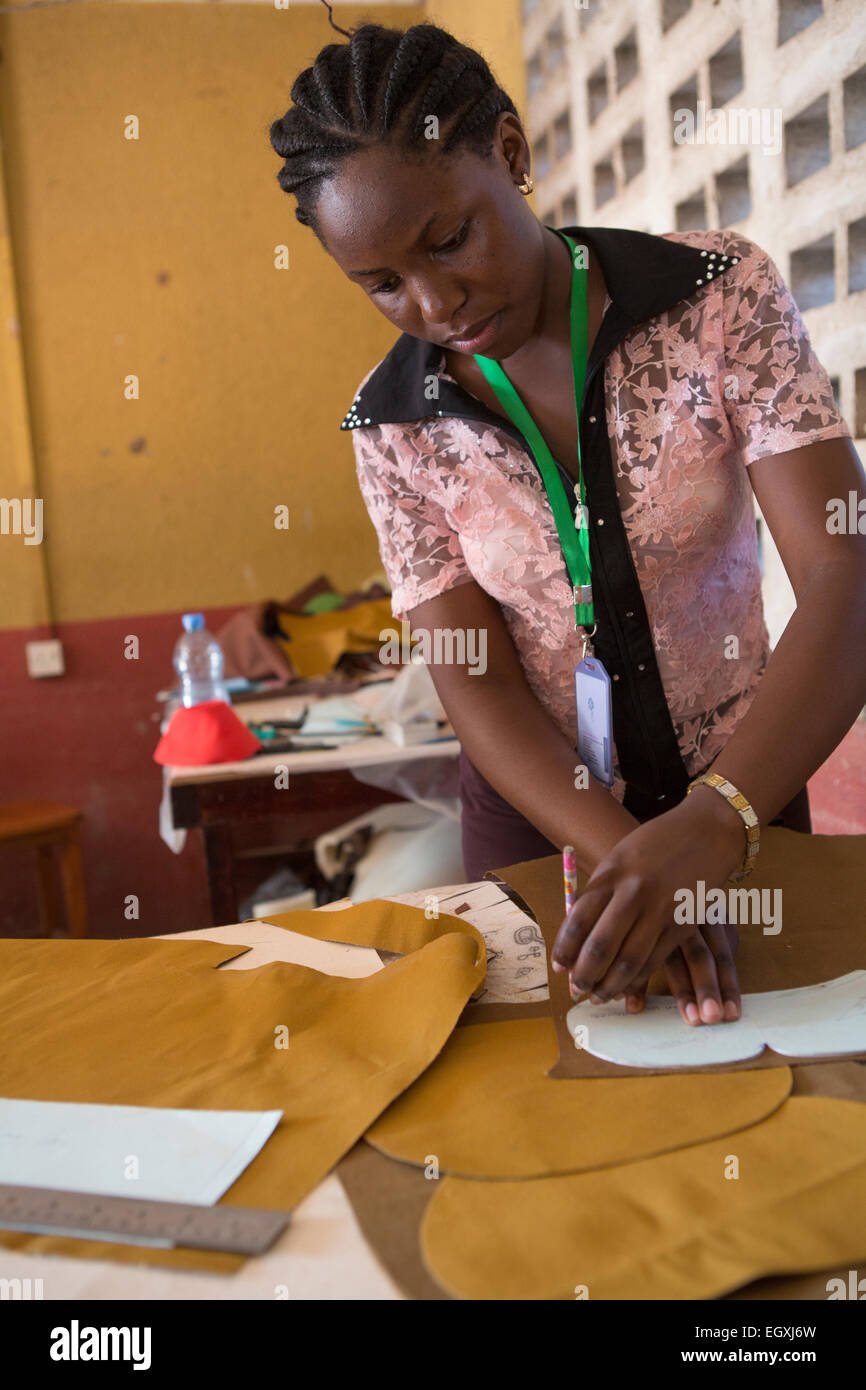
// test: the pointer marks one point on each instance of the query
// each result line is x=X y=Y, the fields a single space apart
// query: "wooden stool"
x=50 y=826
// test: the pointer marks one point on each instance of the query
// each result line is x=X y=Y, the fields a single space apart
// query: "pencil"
x=569 y=876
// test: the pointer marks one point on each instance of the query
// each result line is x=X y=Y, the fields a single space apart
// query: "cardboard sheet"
x=486 y=1109
x=823 y=883
x=389 y=1200
x=155 y=1023
x=673 y=1227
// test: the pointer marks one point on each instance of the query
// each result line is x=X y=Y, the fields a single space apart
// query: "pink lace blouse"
x=693 y=397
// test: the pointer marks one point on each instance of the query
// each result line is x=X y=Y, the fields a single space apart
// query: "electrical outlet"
x=45 y=658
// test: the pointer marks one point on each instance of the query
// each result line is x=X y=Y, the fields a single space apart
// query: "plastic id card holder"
x=594 y=718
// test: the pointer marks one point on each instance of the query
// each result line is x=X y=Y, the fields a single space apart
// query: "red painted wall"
x=87 y=739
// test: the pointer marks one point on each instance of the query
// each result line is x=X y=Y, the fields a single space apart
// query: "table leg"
x=47 y=884
x=219 y=853
x=72 y=878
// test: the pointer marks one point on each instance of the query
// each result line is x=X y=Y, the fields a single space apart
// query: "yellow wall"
x=155 y=257
x=494 y=28
x=245 y=371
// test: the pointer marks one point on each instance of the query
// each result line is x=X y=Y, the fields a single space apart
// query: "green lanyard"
x=573 y=533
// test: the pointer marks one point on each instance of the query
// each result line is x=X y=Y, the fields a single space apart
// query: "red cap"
x=207 y=733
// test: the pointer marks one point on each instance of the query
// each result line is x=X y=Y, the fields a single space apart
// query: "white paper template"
x=822 y=1020
x=179 y=1155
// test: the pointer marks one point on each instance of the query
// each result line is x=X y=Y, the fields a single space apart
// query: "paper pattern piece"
x=180 y=1155
x=268 y=943
x=672 y=1227
x=486 y=1109
x=155 y=1023
x=516 y=965
x=821 y=1020
x=823 y=884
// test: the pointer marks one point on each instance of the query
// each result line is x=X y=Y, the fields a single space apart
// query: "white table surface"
x=322 y=1253
x=363 y=753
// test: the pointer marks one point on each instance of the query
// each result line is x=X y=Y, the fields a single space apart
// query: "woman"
x=411 y=165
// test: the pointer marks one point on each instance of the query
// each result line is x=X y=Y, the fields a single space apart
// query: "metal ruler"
x=139 y=1221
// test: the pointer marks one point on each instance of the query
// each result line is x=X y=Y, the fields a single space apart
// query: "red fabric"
x=207 y=733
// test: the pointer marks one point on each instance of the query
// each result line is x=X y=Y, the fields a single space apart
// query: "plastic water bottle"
x=199 y=663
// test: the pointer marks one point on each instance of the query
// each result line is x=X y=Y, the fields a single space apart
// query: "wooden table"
x=322 y=1254
x=243 y=815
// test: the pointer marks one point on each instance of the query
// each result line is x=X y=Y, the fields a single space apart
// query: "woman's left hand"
x=702 y=977
x=622 y=926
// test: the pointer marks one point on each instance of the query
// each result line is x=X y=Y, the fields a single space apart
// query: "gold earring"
x=527 y=186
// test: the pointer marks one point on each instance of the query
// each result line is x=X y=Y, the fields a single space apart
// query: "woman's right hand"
x=702 y=977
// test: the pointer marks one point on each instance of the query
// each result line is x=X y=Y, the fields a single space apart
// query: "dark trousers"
x=495 y=834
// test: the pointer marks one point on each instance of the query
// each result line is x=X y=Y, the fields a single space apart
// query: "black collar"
x=644 y=274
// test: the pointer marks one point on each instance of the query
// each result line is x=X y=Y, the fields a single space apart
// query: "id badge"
x=594 y=718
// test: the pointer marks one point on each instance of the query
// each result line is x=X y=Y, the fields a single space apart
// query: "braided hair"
x=383 y=86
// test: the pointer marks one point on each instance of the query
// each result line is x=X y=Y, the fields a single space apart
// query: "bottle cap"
x=193 y=622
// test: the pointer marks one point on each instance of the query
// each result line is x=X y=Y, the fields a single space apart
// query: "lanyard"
x=573 y=533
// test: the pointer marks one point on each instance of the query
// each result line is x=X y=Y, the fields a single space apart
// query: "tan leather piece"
x=153 y=1022
x=486 y=1109
x=671 y=1227
x=316 y=640
x=381 y=924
